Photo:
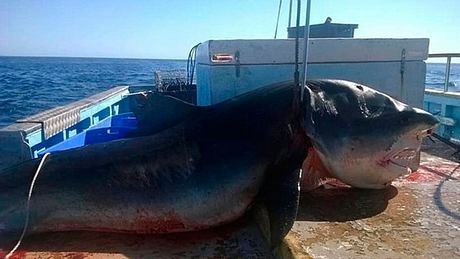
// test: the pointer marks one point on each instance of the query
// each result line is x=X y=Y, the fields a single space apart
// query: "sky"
x=168 y=29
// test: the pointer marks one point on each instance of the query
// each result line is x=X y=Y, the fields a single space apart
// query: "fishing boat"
x=223 y=69
x=419 y=218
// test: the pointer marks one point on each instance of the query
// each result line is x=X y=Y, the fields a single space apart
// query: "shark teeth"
x=404 y=157
x=401 y=158
x=407 y=153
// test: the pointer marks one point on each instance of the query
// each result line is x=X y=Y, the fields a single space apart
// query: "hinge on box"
x=237 y=63
x=402 y=70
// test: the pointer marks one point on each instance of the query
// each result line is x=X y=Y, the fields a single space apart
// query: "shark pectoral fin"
x=277 y=211
x=155 y=112
x=260 y=214
x=314 y=172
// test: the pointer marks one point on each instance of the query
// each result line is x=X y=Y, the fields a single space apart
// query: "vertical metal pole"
x=305 y=50
x=296 y=69
x=278 y=18
x=290 y=12
x=446 y=82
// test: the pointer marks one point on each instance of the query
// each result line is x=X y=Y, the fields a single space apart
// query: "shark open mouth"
x=404 y=158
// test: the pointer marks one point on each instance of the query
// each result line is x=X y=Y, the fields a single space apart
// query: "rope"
x=278 y=18
x=26 y=223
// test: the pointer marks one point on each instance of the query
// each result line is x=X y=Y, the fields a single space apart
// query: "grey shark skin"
x=199 y=167
x=193 y=169
x=363 y=137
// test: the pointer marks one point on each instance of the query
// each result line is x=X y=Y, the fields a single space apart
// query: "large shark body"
x=191 y=168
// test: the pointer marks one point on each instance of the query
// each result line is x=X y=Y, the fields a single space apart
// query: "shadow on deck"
x=343 y=204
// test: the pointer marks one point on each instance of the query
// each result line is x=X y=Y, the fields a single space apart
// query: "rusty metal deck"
x=416 y=217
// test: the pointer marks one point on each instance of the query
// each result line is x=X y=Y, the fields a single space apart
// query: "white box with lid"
x=227 y=68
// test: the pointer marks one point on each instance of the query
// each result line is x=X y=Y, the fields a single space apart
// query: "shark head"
x=363 y=137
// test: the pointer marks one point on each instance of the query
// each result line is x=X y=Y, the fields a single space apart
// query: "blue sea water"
x=29 y=85
x=435 y=76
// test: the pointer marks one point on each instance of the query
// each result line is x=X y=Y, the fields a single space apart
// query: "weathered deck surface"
x=417 y=217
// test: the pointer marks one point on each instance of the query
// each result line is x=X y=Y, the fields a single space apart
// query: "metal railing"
x=449 y=57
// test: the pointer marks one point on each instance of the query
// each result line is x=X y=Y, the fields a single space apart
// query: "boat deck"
x=416 y=217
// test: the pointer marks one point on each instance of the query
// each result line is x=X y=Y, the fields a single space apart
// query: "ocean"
x=435 y=76
x=29 y=85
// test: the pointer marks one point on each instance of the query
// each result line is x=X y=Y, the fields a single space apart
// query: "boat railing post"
x=446 y=82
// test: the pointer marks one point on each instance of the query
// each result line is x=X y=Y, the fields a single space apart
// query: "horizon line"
x=427 y=61
x=51 y=56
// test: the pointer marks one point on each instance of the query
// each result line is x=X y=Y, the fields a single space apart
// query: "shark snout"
x=424 y=120
x=413 y=121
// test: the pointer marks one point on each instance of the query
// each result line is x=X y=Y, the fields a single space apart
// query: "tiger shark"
x=188 y=168
x=361 y=136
